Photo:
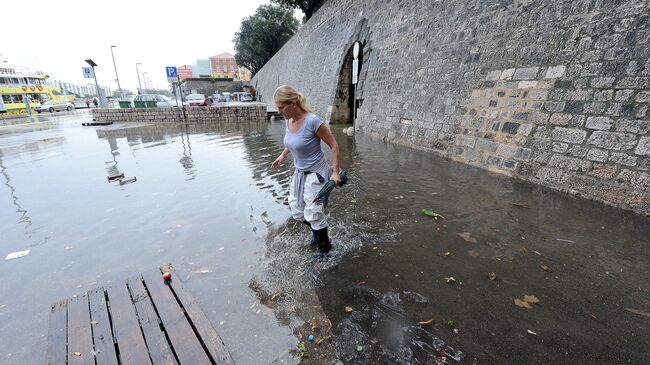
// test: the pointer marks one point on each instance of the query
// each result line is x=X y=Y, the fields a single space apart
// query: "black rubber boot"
x=323 y=241
x=314 y=238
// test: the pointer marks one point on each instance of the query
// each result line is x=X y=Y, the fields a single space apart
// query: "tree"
x=261 y=35
x=308 y=7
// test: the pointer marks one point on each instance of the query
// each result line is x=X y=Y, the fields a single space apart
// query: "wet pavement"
x=206 y=201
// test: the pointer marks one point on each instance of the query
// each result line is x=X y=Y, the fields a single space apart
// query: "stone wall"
x=554 y=92
x=240 y=113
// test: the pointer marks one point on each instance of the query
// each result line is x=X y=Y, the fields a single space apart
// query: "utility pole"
x=138 y=71
x=102 y=101
x=117 y=77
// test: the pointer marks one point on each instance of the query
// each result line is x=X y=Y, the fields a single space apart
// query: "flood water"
x=206 y=201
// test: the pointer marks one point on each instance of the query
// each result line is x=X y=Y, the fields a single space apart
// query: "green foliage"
x=261 y=35
x=308 y=7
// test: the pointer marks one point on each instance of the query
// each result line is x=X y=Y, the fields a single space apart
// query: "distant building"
x=201 y=68
x=184 y=71
x=224 y=66
x=244 y=74
x=87 y=90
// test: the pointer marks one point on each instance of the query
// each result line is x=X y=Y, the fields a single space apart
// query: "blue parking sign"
x=171 y=71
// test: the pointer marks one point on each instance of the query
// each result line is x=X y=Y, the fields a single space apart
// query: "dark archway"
x=347 y=97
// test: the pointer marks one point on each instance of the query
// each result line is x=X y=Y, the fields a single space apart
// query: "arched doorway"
x=343 y=110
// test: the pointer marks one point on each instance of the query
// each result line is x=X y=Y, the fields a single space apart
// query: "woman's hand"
x=335 y=176
x=277 y=162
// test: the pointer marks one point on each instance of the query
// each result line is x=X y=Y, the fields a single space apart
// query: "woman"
x=304 y=132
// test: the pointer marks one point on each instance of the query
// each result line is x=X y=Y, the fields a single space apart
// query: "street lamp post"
x=117 y=77
x=138 y=71
x=102 y=101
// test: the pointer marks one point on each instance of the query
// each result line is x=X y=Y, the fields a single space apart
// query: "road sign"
x=88 y=72
x=355 y=71
x=172 y=74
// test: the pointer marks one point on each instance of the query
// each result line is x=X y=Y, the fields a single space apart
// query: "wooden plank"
x=101 y=325
x=126 y=330
x=208 y=334
x=186 y=345
x=159 y=349
x=57 y=334
x=80 y=338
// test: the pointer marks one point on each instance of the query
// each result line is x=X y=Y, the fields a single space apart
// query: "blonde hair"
x=286 y=94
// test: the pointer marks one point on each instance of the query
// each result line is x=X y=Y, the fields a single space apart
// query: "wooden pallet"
x=144 y=321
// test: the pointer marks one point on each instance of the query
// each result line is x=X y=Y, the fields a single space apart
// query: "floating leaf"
x=451 y=323
x=301 y=347
x=531 y=299
x=77 y=353
x=94 y=322
x=291 y=308
x=636 y=311
x=545 y=268
x=359 y=348
x=424 y=323
x=492 y=275
x=521 y=303
x=532 y=333
x=473 y=253
x=446 y=253
x=348 y=309
x=450 y=280
x=432 y=214
x=468 y=237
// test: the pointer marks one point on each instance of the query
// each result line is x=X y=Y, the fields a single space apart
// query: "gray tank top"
x=304 y=144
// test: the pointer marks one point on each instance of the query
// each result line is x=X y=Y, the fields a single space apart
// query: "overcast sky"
x=56 y=36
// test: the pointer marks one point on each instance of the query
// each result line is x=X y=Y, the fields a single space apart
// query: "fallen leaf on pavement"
x=468 y=237
x=292 y=309
x=432 y=214
x=492 y=275
x=348 y=309
x=636 y=311
x=545 y=268
x=424 y=323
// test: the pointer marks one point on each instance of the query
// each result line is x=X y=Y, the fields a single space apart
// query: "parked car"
x=195 y=100
x=161 y=100
x=218 y=98
x=52 y=106
x=246 y=98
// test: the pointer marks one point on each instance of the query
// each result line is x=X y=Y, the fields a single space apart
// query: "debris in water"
x=77 y=353
x=450 y=280
x=531 y=299
x=492 y=275
x=545 y=268
x=563 y=240
x=348 y=309
x=94 y=322
x=291 y=309
x=521 y=303
x=424 y=323
x=17 y=254
x=520 y=205
x=446 y=253
x=532 y=333
x=432 y=214
x=456 y=331
x=359 y=348
x=537 y=252
x=473 y=253
x=636 y=311
x=527 y=301
x=310 y=338
x=468 y=237
x=451 y=323
x=202 y=270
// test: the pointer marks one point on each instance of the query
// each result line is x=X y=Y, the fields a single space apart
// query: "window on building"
x=14 y=80
x=232 y=68
x=4 y=80
x=6 y=99
x=225 y=68
x=17 y=98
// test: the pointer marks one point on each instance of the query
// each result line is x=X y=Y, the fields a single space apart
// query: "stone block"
x=633 y=126
x=643 y=148
x=528 y=73
x=507 y=74
x=633 y=83
x=578 y=151
x=465 y=141
x=555 y=72
x=560 y=119
x=596 y=154
x=579 y=94
x=526 y=84
x=614 y=141
x=643 y=97
x=485 y=145
x=560 y=147
x=551 y=176
x=554 y=106
x=602 y=82
x=568 y=135
x=622 y=159
x=569 y=163
x=594 y=108
x=603 y=171
x=510 y=127
x=604 y=95
x=493 y=75
x=600 y=123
